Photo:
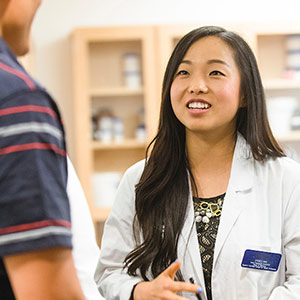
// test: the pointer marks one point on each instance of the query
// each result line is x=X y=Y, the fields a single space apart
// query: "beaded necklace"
x=206 y=210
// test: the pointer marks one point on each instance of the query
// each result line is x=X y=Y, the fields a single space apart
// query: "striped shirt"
x=34 y=207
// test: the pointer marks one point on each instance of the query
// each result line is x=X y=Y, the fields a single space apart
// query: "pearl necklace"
x=206 y=210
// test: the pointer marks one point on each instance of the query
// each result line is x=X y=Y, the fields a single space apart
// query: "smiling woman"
x=216 y=192
x=205 y=93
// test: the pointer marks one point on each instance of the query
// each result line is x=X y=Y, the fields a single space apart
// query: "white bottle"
x=118 y=130
x=132 y=70
x=105 y=129
x=140 y=133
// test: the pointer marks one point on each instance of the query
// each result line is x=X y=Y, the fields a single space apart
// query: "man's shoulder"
x=18 y=90
x=13 y=77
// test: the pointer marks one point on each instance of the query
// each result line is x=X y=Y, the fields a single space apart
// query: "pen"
x=197 y=295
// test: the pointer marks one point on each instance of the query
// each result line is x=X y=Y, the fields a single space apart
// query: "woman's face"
x=205 y=93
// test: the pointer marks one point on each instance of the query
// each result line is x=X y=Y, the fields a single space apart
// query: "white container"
x=295 y=122
x=132 y=70
x=105 y=129
x=293 y=52
x=118 y=130
x=293 y=60
x=133 y=79
x=280 y=111
x=293 y=42
x=104 y=187
x=131 y=62
x=140 y=133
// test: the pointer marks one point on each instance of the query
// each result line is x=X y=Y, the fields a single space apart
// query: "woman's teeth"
x=198 y=105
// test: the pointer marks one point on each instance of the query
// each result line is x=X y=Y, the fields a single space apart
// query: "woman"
x=217 y=191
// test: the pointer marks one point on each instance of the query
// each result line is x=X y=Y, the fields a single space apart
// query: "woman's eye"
x=182 y=72
x=215 y=73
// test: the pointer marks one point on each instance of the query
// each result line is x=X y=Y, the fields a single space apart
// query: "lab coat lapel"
x=189 y=248
x=241 y=180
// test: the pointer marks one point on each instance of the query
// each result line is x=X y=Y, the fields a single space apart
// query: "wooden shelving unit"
x=270 y=45
x=99 y=84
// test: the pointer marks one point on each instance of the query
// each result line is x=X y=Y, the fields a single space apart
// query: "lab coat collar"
x=242 y=169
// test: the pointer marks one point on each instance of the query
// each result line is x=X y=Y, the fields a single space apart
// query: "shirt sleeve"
x=34 y=206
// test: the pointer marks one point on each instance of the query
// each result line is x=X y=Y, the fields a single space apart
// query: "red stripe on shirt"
x=19 y=74
x=31 y=146
x=34 y=225
x=26 y=108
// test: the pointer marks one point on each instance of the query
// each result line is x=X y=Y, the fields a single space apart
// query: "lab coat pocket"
x=259 y=270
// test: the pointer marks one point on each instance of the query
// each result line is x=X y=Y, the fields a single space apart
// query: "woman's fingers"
x=179 y=286
x=164 y=286
x=172 y=269
x=173 y=296
x=179 y=298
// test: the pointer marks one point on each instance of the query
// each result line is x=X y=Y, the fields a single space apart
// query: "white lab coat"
x=261 y=211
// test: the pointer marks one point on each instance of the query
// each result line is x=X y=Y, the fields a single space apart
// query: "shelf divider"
x=281 y=84
x=115 y=91
x=126 y=144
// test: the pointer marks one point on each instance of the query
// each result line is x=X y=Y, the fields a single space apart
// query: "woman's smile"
x=198 y=106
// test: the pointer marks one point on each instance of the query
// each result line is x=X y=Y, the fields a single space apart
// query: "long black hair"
x=163 y=190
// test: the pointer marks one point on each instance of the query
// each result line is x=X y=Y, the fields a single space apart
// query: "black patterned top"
x=207 y=219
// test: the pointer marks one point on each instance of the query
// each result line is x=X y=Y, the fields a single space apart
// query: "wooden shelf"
x=115 y=91
x=126 y=144
x=290 y=137
x=281 y=84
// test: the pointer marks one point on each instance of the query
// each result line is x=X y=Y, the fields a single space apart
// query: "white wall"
x=57 y=18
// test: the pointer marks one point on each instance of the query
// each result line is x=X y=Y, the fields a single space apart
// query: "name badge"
x=260 y=260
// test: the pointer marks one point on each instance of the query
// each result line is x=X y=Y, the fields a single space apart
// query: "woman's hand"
x=163 y=287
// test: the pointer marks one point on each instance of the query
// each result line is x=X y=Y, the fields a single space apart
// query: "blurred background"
x=103 y=62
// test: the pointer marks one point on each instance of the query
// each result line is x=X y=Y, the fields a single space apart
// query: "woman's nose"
x=198 y=87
